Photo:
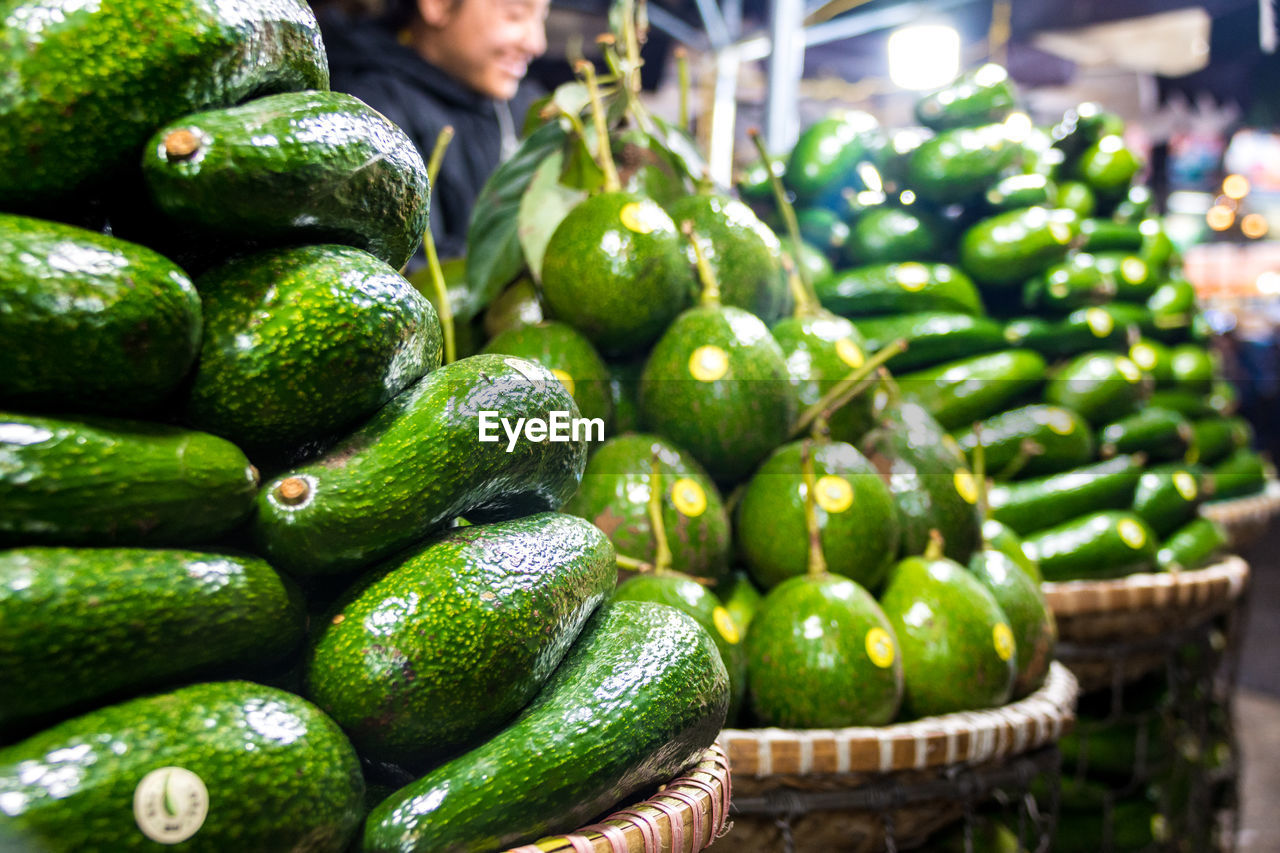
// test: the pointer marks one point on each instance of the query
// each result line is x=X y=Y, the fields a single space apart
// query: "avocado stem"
x=635 y=108
x=706 y=275
x=980 y=474
x=181 y=144
x=682 y=72
x=1027 y=451
x=662 y=555
x=443 y=309
x=633 y=564
x=612 y=183
x=784 y=207
x=857 y=381
x=933 y=551
x=817 y=560
x=293 y=490
x=807 y=304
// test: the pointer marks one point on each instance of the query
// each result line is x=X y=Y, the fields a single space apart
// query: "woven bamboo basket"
x=1246 y=519
x=684 y=816
x=1115 y=631
x=846 y=789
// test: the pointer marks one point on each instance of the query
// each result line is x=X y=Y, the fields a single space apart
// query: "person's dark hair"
x=397 y=13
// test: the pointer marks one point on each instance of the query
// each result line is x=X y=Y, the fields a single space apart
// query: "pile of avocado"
x=1046 y=317
x=261 y=580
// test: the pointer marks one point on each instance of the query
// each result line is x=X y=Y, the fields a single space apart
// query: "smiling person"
x=425 y=64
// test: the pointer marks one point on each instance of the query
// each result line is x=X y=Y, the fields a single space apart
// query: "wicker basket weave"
x=1115 y=631
x=685 y=816
x=1247 y=518
x=851 y=789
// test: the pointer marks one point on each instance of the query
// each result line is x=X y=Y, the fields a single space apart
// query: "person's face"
x=487 y=44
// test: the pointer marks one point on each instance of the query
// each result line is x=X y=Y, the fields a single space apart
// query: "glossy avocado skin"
x=886 y=234
x=998 y=537
x=1030 y=505
x=959 y=164
x=1076 y=282
x=562 y=350
x=1192 y=545
x=685 y=594
x=638 y=698
x=279 y=774
x=1192 y=368
x=1107 y=544
x=88 y=322
x=1022 y=191
x=977 y=97
x=615 y=269
x=959 y=392
x=825 y=157
x=1030 y=618
x=946 y=623
x=303 y=343
x=1159 y=433
x=715 y=366
x=821 y=351
x=1244 y=472
x=858 y=523
x=70 y=622
x=105 y=481
x=898 y=288
x=75 y=122
x=1035 y=439
x=806 y=678
x=449 y=643
x=1106 y=326
x=1168 y=495
x=358 y=177
x=930 y=481
x=743 y=253
x=1215 y=438
x=932 y=337
x=1010 y=247
x=614 y=496
x=382 y=488
x=1101 y=386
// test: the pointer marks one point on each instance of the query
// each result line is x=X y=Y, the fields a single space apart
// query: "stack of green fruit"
x=190 y=657
x=1046 y=321
x=750 y=477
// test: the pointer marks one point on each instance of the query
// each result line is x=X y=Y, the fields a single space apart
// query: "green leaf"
x=543 y=207
x=572 y=98
x=533 y=118
x=581 y=171
x=494 y=256
x=682 y=148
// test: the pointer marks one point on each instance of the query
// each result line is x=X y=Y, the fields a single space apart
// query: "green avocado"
x=1017 y=191
x=1010 y=247
x=1172 y=305
x=1097 y=546
x=898 y=289
x=615 y=269
x=960 y=392
x=1108 y=166
x=1242 y=473
x=1082 y=126
x=998 y=537
x=932 y=486
x=809 y=259
x=1030 y=505
x=615 y=495
x=1101 y=386
x=1107 y=235
x=977 y=97
x=624 y=393
x=742 y=251
x=446 y=645
x=1109 y=326
x=1155 y=360
x=232 y=765
x=931 y=336
x=1215 y=438
x=103 y=481
x=436 y=452
x=1135 y=280
x=856 y=517
x=1030 y=440
x=716 y=366
x=958 y=650
x=1076 y=196
x=1193 y=368
x=517 y=306
x=821 y=654
x=1030 y=618
x=1159 y=433
x=824 y=229
x=570 y=356
x=1193 y=545
x=1168 y=495
x=301 y=344
x=741 y=599
x=1076 y=282
x=88 y=322
x=70 y=622
x=821 y=350
x=247 y=172
x=826 y=156
x=886 y=234
x=639 y=697
x=1135 y=206
x=959 y=164
x=685 y=594
x=75 y=116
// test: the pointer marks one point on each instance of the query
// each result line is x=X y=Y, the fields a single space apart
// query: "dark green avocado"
x=898 y=289
x=932 y=337
x=89 y=322
x=301 y=344
x=1101 y=386
x=79 y=625
x=887 y=234
x=250 y=171
x=1011 y=247
x=821 y=350
x=1030 y=619
x=977 y=97
x=960 y=392
x=568 y=355
x=1040 y=502
x=449 y=643
x=959 y=164
x=1035 y=439
x=638 y=698
x=1100 y=545
x=75 y=116
x=213 y=767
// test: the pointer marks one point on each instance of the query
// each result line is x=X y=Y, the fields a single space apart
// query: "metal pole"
x=786 y=66
x=724 y=117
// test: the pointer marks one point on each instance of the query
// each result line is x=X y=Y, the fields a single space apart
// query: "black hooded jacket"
x=366 y=60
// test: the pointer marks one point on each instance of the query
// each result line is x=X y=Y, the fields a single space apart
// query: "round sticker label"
x=1185 y=483
x=912 y=276
x=170 y=804
x=1060 y=232
x=1131 y=533
x=689 y=498
x=1128 y=369
x=565 y=379
x=1002 y=639
x=966 y=485
x=880 y=648
x=1143 y=356
x=724 y=624
x=834 y=494
x=640 y=217
x=1099 y=322
x=1060 y=422
x=708 y=363
x=850 y=353
x=1133 y=270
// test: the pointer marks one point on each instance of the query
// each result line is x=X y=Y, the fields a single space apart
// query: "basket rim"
x=964 y=737
x=1258 y=507
x=1218 y=583
x=685 y=815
